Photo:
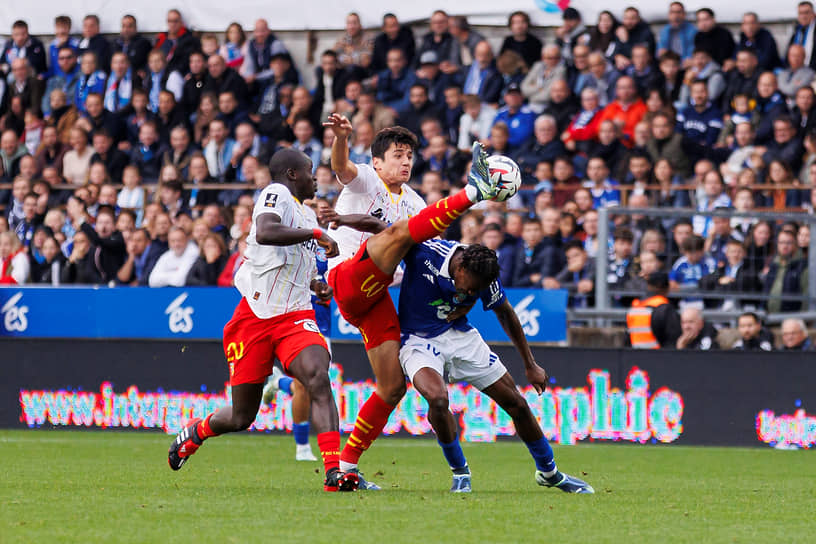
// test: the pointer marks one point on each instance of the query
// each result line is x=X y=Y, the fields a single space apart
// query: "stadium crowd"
x=134 y=162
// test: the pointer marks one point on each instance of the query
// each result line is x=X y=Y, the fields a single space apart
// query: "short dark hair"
x=707 y=11
x=682 y=221
x=752 y=315
x=522 y=14
x=62 y=20
x=574 y=244
x=105 y=209
x=19 y=23
x=669 y=55
x=625 y=234
x=286 y=159
x=481 y=262
x=694 y=242
x=392 y=135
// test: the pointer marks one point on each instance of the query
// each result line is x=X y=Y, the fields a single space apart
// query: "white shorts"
x=464 y=355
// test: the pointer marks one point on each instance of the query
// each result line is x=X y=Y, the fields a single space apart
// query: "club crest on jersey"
x=459 y=298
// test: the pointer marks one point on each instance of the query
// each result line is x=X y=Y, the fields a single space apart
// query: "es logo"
x=343 y=326
x=181 y=319
x=528 y=316
x=14 y=317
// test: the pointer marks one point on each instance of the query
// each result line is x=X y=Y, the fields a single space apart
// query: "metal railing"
x=603 y=309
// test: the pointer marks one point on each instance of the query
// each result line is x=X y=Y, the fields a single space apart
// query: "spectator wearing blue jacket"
x=62 y=37
x=481 y=77
x=91 y=80
x=394 y=83
x=678 y=34
x=603 y=189
x=700 y=123
x=518 y=117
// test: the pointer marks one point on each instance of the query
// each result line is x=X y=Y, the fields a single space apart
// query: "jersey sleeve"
x=366 y=180
x=275 y=199
x=493 y=296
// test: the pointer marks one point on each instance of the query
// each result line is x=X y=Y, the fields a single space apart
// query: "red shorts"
x=361 y=293
x=252 y=344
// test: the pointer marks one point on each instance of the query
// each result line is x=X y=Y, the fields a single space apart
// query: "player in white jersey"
x=275 y=319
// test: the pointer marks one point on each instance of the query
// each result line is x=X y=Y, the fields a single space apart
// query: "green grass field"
x=63 y=486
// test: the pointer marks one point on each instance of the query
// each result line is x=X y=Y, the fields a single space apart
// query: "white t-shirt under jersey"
x=275 y=279
x=368 y=194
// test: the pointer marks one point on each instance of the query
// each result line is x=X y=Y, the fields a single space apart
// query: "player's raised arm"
x=511 y=325
x=342 y=166
x=270 y=232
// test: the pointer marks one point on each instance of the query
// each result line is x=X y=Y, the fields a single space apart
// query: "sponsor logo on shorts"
x=373 y=289
x=309 y=325
x=234 y=352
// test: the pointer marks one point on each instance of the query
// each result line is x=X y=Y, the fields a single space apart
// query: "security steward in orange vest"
x=653 y=322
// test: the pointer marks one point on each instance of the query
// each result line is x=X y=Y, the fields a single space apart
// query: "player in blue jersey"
x=442 y=281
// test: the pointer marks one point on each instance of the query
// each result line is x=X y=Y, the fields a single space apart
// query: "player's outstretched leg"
x=432 y=387
x=311 y=368
x=279 y=381
x=246 y=398
x=506 y=395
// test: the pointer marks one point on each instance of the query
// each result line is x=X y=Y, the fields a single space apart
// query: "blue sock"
x=542 y=454
x=285 y=384
x=454 y=455
x=301 y=432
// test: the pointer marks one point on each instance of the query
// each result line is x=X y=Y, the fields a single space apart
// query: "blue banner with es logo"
x=201 y=313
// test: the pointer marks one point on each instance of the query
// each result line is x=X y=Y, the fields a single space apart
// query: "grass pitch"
x=64 y=486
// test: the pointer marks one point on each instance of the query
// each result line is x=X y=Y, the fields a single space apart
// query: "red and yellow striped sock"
x=433 y=220
x=204 y=431
x=370 y=422
x=329 y=445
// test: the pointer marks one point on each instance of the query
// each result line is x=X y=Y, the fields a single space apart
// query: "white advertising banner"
x=215 y=15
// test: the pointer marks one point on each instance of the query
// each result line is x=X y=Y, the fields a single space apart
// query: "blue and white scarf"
x=119 y=91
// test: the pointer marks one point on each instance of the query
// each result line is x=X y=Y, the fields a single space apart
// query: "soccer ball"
x=509 y=176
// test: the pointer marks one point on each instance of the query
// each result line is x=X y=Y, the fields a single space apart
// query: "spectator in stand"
x=26 y=85
x=571 y=33
x=703 y=68
x=621 y=264
x=532 y=256
x=804 y=32
x=161 y=77
x=759 y=39
x=436 y=81
x=731 y=276
x=667 y=144
x=77 y=160
x=466 y=39
x=786 y=146
x=62 y=36
x=181 y=149
x=419 y=108
x=65 y=81
x=393 y=36
x=441 y=41
x=370 y=111
x=753 y=336
x=394 y=83
x=221 y=78
x=93 y=41
x=579 y=75
x=653 y=323
x=147 y=154
x=519 y=118
x=742 y=79
x=211 y=262
x=714 y=39
x=475 y=123
x=787 y=275
x=583 y=129
x=132 y=44
x=109 y=245
x=120 y=84
x=136 y=268
x=697 y=333
x=626 y=110
x=804 y=116
x=536 y=85
x=354 y=48
x=545 y=147
x=770 y=104
x=678 y=34
x=643 y=71
x=176 y=43
x=562 y=105
x=481 y=77
x=633 y=31
x=91 y=80
x=699 y=123
x=235 y=48
x=521 y=40
x=173 y=266
x=498 y=141
x=263 y=46
x=578 y=276
x=795 y=336
x=713 y=196
x=602 y=38
x=601 y=77
x=494 y=238
x=219 y=149
x=602 y=188
x=689 y=269
x=23 y=46
x=106 y=154
x=331 y=83
x=673 y=77
x=797 y=74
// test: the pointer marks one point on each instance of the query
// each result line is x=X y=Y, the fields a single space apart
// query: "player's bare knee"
x=438 y=404
x=318 y=384
x=392 y=392
x=297 y=388
x=242 y=420
x=516 y=406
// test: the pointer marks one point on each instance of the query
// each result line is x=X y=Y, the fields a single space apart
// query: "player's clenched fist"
x=327 y=242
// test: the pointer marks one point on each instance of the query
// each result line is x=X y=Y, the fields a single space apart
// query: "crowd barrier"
x=667 y=397
x=201 y=313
